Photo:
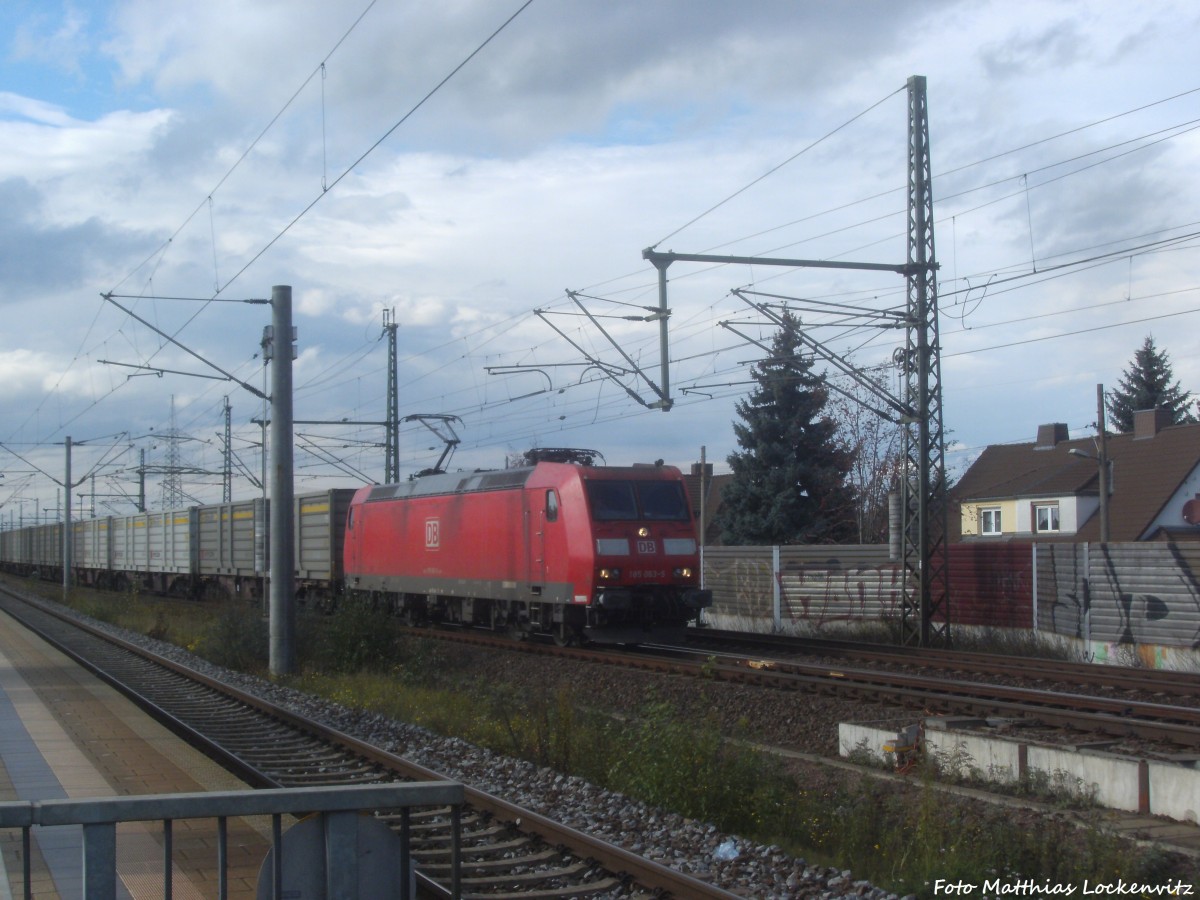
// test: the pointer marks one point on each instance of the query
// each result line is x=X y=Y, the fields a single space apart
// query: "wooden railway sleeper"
x=433 y=849
x=501 y=864
x=570 y=873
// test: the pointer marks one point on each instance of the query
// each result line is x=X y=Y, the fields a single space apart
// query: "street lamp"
x=1104 y=464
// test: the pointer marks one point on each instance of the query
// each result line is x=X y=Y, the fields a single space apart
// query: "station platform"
x=66 y=734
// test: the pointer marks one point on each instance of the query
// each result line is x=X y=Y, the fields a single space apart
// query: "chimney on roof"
x=1050 y=436
x=705 y=469
x=1149 y=422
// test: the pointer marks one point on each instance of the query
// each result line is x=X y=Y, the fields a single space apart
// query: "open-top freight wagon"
x=217 y=550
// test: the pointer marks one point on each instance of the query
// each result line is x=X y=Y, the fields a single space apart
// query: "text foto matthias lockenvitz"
x=1028 y=887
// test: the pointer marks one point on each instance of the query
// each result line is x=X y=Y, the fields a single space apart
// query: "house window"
x=989 y=520
x=1045 y=517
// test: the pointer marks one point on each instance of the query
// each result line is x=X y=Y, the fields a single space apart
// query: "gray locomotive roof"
x=452 y=483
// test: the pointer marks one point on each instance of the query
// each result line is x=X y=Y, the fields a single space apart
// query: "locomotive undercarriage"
x=618 y=616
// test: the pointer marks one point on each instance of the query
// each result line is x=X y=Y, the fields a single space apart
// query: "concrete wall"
x=1155 y=787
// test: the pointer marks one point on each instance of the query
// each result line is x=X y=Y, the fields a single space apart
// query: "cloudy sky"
x=430 y=160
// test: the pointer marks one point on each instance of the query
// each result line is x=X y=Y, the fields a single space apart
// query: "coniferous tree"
x=789 y=479
x=1147 y=384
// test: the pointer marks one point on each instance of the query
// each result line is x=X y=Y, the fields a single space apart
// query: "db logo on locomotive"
x=433 y=534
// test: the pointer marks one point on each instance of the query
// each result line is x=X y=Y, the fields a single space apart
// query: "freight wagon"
x=218 y=550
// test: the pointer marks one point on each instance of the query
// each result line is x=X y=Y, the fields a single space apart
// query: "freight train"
x=577 y=552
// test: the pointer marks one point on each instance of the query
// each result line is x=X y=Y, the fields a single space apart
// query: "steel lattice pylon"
x=391 y=451
x=925 y=606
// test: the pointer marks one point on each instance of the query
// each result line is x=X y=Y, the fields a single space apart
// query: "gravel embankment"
x=807 y=724
x=799 y=722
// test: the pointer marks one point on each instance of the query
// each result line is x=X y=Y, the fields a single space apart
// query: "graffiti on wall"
x=1136 y=595
x=1062 y=600
x=820 y=595
x=814 y=585
x=1153 y=600
x=1122 y=598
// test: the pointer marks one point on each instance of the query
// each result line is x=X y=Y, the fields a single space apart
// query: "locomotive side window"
x=350 y=520
x=611 y=500
x=551 y=506
x=662 y=500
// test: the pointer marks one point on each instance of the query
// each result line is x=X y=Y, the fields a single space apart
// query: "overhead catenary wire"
x=220 y=288
x=412 y=111
x=472 y=351
x=778 y=167
x=371 y=149
x=250 y=147
x=881 y=101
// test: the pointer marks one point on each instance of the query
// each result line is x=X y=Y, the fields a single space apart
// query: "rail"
x=337 y=810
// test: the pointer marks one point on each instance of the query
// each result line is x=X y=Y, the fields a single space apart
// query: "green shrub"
x=237 y=637
x=690 y=768
x=357 y=638
x=543 y=726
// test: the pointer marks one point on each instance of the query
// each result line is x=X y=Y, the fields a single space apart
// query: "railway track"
x=506 y=851
x=1181 y=686
x=1105 y=714
x=1111 y=713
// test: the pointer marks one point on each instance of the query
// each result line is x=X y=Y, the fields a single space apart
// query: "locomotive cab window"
x=662 y=500
x=611 y=500
x=551 y=506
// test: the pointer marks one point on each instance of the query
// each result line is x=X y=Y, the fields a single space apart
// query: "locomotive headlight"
x=643 y=531
x=610 y=574
x=685 y=572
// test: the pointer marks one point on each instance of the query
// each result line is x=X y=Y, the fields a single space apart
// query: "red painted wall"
x=991 y=584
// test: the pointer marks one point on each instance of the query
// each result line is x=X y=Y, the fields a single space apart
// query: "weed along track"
x=505 y=850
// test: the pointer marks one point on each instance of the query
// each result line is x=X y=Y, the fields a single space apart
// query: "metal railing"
x=337 y=810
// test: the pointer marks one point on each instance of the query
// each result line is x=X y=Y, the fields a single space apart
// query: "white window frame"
x=1051 y=509
x=990 y=521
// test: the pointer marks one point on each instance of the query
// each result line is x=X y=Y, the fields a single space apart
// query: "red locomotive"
x=602 y=553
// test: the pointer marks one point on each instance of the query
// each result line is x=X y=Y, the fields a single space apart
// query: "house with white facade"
x=1050 y=489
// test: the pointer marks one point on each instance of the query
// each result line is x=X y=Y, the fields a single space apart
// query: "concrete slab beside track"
x=64 y=733
x=1114 y=779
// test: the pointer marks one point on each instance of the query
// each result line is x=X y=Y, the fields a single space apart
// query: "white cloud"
x=583 y=133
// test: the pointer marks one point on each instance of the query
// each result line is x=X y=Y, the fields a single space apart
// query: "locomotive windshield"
x=657 y=500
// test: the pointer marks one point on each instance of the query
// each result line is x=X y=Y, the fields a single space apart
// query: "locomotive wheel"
x=567 y=635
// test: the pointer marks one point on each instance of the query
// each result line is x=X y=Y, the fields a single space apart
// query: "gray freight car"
x=215 y=550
